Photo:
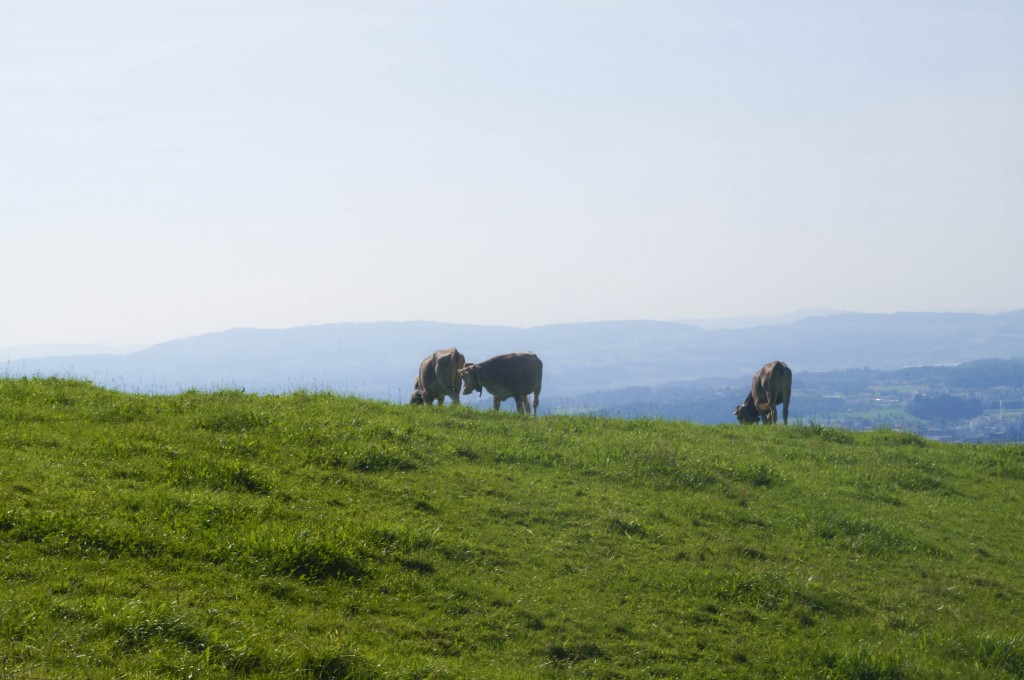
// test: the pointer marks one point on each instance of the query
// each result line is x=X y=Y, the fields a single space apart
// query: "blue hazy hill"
x=380 y=360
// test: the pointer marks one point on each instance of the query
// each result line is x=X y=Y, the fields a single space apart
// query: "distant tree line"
x=987 y=373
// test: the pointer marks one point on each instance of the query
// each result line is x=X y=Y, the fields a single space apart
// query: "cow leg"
x=519 y=403
x=785 y=412
x=497 y=403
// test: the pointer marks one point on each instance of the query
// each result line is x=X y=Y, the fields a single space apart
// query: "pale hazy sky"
x=178 y=167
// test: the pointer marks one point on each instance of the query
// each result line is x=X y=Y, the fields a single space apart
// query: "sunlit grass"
x=318 y=536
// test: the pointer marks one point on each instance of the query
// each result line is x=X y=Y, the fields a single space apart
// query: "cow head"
x=469 y=380
x=417 y=397
x=747 y=414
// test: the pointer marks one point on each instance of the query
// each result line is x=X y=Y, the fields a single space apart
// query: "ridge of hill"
x=319 y=536
x=380 y=360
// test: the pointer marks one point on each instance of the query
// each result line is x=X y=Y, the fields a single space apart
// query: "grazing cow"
x=507 y=375
x=439 y=377
x=771 y=386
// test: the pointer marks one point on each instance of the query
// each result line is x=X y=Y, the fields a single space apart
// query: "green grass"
x=311 y=535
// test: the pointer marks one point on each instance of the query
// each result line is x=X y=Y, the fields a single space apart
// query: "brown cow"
x=507 y=375
x=439 y=377
x=771 y=386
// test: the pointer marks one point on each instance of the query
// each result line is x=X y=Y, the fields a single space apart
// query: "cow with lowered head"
x=506 y=375
x=439 y=378
x=771 y=386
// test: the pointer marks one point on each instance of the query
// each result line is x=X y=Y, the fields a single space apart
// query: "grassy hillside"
x=317 y=536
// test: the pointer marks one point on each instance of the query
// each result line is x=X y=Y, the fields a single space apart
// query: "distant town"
x=993 y=414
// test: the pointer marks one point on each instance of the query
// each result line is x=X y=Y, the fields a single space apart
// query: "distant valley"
x=977 y=401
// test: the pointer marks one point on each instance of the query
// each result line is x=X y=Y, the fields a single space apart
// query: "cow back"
x=447 y=365
x=439 y=373
x=772 y=383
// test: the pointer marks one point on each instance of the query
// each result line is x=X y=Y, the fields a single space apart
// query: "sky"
x=169 y=169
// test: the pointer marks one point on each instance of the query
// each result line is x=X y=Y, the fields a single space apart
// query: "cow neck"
x=475 y=372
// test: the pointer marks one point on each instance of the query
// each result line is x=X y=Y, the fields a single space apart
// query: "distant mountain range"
x=752 y=321
x=380 y=360
x=19 y=352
